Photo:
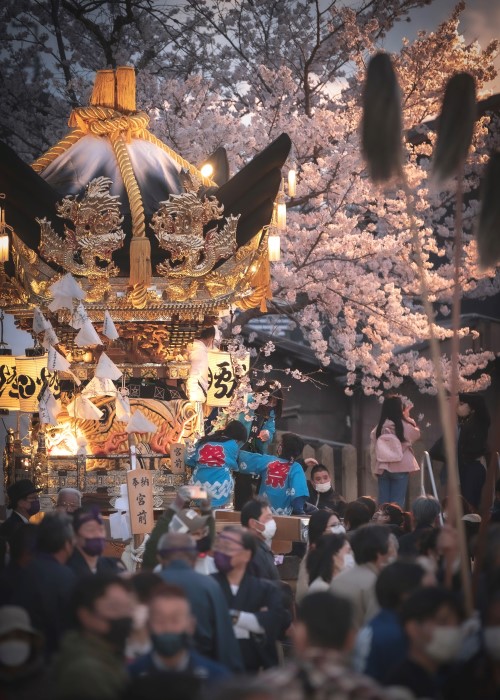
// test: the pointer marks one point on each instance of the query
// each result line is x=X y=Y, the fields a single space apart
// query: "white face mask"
x=492 y=642
x=445 y=643
x=269 y=529
x=323 y=488
x=14 y=652
x=338 y=529
x=349 y=561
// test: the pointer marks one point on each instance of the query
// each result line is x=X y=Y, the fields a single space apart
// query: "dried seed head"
x=488 y=230
x=381 y=125
x=455 y=125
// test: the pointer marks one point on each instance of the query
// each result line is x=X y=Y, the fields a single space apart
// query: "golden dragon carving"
x=178 y=225
x=87 y=249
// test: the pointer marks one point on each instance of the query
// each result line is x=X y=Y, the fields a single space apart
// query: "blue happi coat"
x=212 y=462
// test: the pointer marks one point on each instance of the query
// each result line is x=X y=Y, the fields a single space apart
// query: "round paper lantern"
x=9 y=395
x=32 y=375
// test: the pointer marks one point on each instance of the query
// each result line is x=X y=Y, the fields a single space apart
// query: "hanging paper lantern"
x=9 y=395
x=32 y=375
x=222 y=378
x=292 y=182
x=274 y=247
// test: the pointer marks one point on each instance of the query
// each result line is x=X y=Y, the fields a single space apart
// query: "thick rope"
x=131 y=186
x=61 y=147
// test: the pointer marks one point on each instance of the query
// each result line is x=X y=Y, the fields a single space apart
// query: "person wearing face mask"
x=322 y=522
x=45 y=585
x=374 y=547
x=90 y=540
x=381 y=645
x=256 y=515
x=256 y=606
x=214 y=635
x=328 y=559
x=24 y=502
x=479 y=677
x=431 y=618
x=68 y=500
x=321 y=493
x=91 y=663
x=22 y=666
x=171 y=626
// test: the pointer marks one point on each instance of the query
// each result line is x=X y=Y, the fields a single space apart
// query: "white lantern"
x=292 y=182
x=32 y=375
x=9 y=394
x=274 y=247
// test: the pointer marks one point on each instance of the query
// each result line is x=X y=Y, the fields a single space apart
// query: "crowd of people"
x=376 y=609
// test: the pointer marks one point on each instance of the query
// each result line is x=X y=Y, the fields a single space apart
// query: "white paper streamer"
x=49 y=337
x=40 y=323
x=109 y=328
x=67 y=286
x=106 y=368
x=61 y=302
x=87 y=335
x=79 y=317
x=48 y=408
x=81 y=407
x=56 y=361
x=99 y=387
x=122 y=408
x=138 y=423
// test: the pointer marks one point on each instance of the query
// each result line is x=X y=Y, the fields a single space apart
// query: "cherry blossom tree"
x=238 y=73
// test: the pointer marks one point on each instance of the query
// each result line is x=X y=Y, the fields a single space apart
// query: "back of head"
x=328 y=620
x=252 y=510
x=54 y=532
x=396 y=581
x=392 y=410
x=425 y=510
x=235 y=430
x=291 y=446
x=368 y=542
x=424 y=603
x=206 y=334
x=175 y=546
x=369 y=502
x=356 y=514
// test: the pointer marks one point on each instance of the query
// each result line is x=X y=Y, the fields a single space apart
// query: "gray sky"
x=480 y=20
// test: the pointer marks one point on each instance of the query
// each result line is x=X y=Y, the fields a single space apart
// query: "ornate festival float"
x=117 y=252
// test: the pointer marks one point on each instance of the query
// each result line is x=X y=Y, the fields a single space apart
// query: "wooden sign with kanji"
x=177 y=450
x=140 y=497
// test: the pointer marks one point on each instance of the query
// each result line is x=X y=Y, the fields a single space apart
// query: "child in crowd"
x=321 y=493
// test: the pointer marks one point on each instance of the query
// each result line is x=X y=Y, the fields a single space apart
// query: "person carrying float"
x=213 y=459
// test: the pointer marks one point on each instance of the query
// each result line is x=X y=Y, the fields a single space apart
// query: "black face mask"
x=119 y=630
x=204 y=544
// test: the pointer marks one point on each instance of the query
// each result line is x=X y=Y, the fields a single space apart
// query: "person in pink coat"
x=392 y=454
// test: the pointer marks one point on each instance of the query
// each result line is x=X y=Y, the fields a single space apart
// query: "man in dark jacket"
x=321 y=493
x=46 y=583
x=24 y=501
x=256 y=605
x=214 y=636
x=90 y=540
x=256 y=515
x=171 y=626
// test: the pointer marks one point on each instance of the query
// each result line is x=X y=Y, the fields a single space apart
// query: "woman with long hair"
x=392 y=454
x=393 y=515
x=213 y=459
x=329 y=558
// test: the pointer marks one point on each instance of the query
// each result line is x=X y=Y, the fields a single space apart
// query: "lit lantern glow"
x=274 y=247
x=292 y=182
x=9 y=395
x=207 y=170
x=32 y=374
x=281 y=208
